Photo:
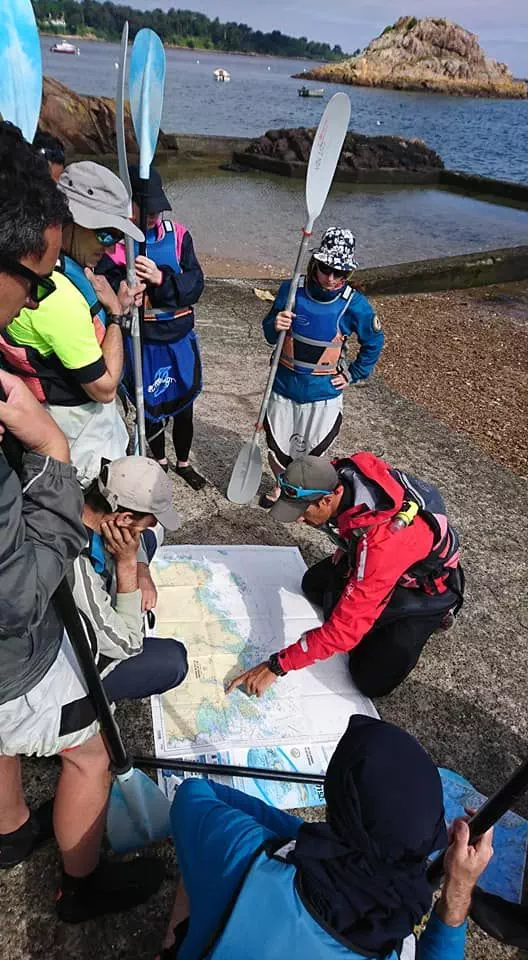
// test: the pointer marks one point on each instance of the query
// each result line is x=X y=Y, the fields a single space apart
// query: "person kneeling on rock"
x=395 y=578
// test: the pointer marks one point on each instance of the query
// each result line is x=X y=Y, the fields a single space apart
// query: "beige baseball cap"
x=139 y=483
x=97 y=198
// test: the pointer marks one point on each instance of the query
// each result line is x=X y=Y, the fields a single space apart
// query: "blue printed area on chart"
x=505 y=874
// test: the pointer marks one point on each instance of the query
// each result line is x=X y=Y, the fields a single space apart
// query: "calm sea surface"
x=482 y=136
x=256 y=217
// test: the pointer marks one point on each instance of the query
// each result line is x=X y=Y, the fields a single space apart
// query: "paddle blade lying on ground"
x=138 y=813
x=246 y=475
x=21 y=70
x=146 y=82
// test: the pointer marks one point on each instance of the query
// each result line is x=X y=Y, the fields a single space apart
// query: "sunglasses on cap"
x=39 y=287
x=292 y=492
x=328 y=270
x=107 y=238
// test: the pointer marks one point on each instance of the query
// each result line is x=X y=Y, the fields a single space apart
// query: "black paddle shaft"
x=492 y=810
x=66 y=608
x=229 y=770
x=143 y=213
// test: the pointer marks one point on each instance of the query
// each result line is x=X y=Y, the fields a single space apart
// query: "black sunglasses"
x=39 y=287
x=327 y=270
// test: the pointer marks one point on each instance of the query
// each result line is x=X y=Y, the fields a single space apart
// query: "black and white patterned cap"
x=337 y=249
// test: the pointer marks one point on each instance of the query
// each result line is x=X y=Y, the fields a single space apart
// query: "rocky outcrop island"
x=431 y=54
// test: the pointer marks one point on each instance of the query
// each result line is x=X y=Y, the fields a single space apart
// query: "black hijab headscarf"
x=362 y=873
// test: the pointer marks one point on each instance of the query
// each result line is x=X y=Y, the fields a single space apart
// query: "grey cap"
x=139 y=483
x=309 y=473
x=97 y=198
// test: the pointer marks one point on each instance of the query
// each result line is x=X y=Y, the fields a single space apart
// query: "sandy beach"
x=449 y=403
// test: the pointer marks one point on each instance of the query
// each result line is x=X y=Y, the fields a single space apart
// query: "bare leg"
x=180 y=912
x=276 y=468
x=14 y=811
x=80 y=806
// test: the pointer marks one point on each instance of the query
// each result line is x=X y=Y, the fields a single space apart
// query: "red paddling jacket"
x=420 y=556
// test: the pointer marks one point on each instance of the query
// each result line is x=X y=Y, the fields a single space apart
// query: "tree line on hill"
x=179 y=27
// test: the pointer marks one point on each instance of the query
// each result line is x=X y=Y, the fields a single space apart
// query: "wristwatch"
x=121 y=320
x=273 y=664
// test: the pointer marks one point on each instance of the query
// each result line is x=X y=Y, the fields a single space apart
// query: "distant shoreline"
x=91 y=38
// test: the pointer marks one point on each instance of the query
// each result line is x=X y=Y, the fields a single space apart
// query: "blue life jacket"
x=169 y=323
x=269 y=920
x=314 y=343
x=74 y=272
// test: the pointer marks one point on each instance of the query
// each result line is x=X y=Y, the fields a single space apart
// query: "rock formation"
x=429 y=54
x=86 y=124
x=359 y=152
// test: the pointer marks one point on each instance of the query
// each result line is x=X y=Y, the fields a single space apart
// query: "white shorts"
x=55 y=715
x=296 y=429
x=93 y=430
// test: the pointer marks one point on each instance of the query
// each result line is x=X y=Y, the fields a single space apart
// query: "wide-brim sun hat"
x=97 y=199
x=337 y=249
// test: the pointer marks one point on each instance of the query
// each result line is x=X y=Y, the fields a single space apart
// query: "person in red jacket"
x=394 y=579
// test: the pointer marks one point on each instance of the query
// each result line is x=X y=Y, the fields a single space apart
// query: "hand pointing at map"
x=256 y=681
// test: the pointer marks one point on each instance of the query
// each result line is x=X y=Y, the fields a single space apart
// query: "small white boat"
x=311 y=91
x=222 y=76
x=63 y=47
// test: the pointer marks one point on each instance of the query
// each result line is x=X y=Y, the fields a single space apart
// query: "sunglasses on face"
x=328 y=271
x=107 y=238
x=39 y=287
x=293 y=492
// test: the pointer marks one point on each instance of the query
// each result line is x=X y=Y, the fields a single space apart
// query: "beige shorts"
x=55 y=715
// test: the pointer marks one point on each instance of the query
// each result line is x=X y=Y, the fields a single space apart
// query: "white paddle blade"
x=246 y=475
x=146 y=83
x=138 y=813
x=120 y=113
x=21 y=66
x=326 y=150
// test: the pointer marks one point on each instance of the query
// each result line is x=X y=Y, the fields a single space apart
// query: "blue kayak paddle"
x=21 y=70
x=129 y=246
x=146 y=84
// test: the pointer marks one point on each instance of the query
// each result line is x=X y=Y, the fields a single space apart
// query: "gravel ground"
x=463 y=355
x=466 y=699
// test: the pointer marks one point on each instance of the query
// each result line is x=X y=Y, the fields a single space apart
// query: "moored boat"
x=63 y=47
x=223 y=76
x=311 y=91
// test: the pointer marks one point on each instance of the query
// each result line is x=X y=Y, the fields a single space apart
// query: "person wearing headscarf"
x=305 y=411
x=257 y=882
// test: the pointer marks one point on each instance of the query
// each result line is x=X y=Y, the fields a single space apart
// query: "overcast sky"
x=501 y=26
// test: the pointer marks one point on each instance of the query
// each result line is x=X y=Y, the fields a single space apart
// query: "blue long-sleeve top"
x=360 y=319
x=216 y=833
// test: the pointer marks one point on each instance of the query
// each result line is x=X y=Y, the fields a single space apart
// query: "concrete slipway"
x=466 y=700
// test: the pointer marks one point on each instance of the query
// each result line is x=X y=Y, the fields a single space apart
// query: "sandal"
x=194 y=479
x=267 y=502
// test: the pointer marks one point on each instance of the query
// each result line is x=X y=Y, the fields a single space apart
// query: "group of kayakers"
x=253 y=880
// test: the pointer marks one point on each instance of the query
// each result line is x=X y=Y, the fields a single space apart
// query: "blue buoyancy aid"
x=270 y=921
x=75 y=273
x=314 y=343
